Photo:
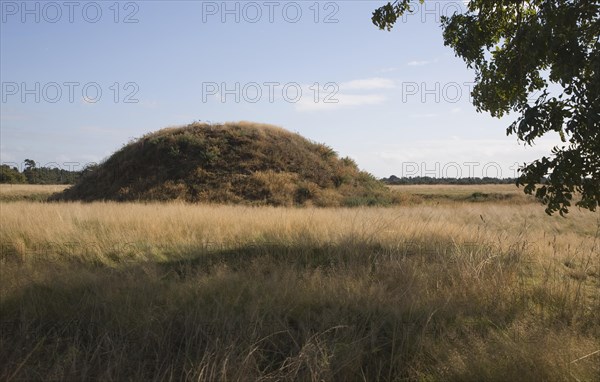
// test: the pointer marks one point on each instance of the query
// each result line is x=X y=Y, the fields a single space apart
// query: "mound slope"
x=228 y=163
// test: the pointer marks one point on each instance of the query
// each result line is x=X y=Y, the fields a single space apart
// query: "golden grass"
x=457 y=189
x=181 y=225
x=458 y=291
x=28 y=192
x=28 y=189
x=476 y=193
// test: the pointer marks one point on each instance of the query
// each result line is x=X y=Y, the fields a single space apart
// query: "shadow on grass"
x=296 y=257
x=350 y=311
x=266 y=311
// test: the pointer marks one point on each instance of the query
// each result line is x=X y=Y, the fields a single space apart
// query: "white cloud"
x=421 y=63
x=368 y=84
x=388 y=70
x=352 y=93
x=344 y=100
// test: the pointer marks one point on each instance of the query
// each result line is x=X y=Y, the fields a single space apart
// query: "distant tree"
x=47 y=175
x=29 y=171
x=11 y=175
x=29 y=164
x=519 y=48
x=394 y=180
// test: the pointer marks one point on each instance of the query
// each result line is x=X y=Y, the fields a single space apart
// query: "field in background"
x=31 y=192
x=454 y=291
x=406 y=194
x=419 y=193
x=458 y=189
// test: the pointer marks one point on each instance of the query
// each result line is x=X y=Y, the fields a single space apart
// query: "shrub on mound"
x=229 y=163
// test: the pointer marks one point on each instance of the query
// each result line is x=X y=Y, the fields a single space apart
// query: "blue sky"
x=106 y=72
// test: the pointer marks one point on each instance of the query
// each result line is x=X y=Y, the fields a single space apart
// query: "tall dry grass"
x=28 y=192
x=460 y=291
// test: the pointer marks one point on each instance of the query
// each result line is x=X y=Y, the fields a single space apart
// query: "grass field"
x=407 y=194
x=498 y=193
x=459 y=189
x=28 y=192
x=460 y=289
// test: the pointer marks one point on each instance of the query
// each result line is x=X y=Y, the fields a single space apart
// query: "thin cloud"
x=368 y=84
x=344 y=100
x=388 y=70
x=421 y=63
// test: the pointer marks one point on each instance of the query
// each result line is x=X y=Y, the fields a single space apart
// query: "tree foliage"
x=37 y=175
x=29 y=164
x=539 y=60
x=50 y=175
x=394 y=180
x=11 y=175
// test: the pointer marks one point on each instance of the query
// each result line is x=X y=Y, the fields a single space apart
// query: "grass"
x=28 y=192
x=501 y=193
x=458 y=189
x=401 y=195
x=172 y=291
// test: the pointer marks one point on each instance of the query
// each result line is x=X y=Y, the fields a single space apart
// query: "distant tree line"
x=394 y=180
x=32 y=174
x=52 y=175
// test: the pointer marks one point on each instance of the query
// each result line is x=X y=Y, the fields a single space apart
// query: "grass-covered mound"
x=229 y=163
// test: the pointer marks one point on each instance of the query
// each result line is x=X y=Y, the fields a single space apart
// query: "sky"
x=81 y=79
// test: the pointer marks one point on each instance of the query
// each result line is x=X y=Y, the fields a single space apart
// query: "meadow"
x=28 y=192
x=462 y=285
